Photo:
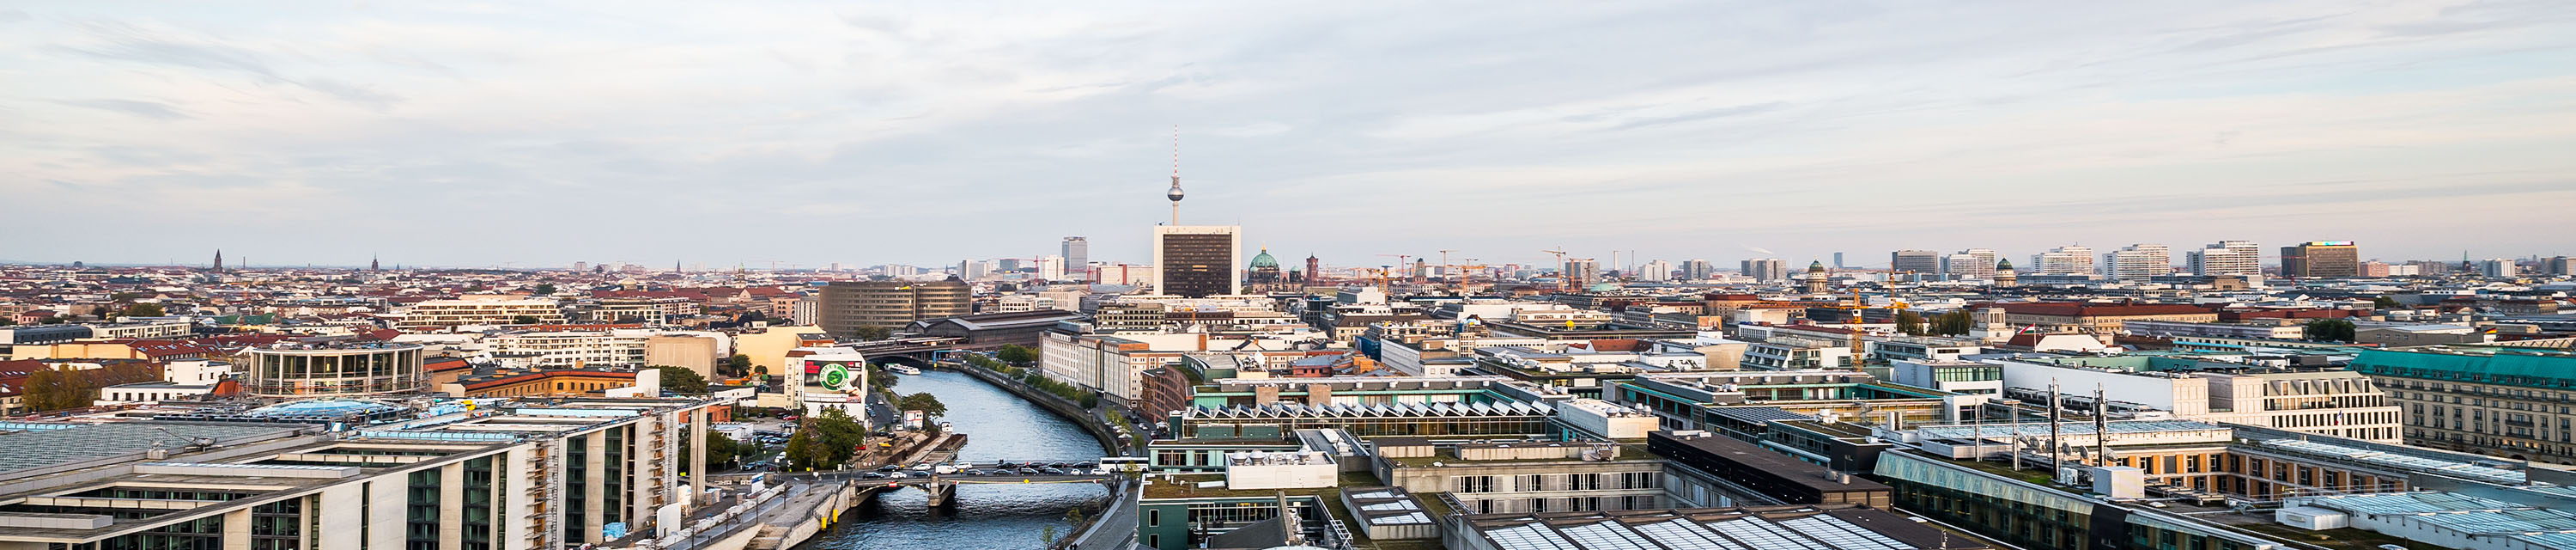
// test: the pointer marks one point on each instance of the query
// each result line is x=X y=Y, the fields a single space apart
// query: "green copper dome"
x=1264 y=260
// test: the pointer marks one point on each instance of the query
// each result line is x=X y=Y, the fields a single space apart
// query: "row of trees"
x=1014 y=363
x=1952 y=323
x=2329 y=330
x=64 y=387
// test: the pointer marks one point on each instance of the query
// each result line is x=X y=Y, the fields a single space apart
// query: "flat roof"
x=37 y=447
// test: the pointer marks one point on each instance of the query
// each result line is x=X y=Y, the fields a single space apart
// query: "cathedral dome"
x=1264 y=260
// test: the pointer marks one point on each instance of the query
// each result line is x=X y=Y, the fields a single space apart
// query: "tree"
x=838 y=435
x=2329 y=330
x=57 y=389
x=1016 y=355
x=879 y=381
x=56 y=320
x=804 y=453
x=873 y=333
x=682 y=380
x=524 y=320
x=738 y=365
x=928 y=404
x=142 y=310
x=8 y=320
x=1909 y=322
x=721 y=449
x=1953 y=323
x=2383 y=302
x=545 y=289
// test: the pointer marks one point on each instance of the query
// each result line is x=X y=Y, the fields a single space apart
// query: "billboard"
x=837 y=376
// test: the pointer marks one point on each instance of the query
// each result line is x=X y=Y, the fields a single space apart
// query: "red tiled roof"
x=2070 y=309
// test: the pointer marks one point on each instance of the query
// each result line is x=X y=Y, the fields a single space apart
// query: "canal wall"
x=1110 y=443
x=808 y=515
x=1115 y=529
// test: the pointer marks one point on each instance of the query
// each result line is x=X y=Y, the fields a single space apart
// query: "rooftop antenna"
x=1175 y=193
x=2101 y=427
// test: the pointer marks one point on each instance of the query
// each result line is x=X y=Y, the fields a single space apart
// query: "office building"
x=507 y=476
x=1698 y=269
x=313 y=370
x=2557 y=265
x=847 y=305
x=1198 y=261
x=1657 y=270
x=1915 y=262
x=1077 y=258
x=479 y=309
x=1974 y=264
x=1050 y=268
x=1765 y=269
x=1504 y=476
x=2064 y=260
x=2226 y=258
x=2501 y=403
x=2321 y=260
x=2498 y=268
x=2138 y=262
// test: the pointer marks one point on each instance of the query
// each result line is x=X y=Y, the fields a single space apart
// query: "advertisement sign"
x=834 y=376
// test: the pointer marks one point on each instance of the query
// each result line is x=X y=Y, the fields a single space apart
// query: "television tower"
x=1175 y=193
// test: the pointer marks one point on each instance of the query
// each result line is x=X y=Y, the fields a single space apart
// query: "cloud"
x=928 y=133
x=147 y=109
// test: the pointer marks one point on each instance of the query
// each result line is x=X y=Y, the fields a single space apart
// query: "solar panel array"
x=1813 y=532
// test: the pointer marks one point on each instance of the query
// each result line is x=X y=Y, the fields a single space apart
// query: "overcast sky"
x=450 y=133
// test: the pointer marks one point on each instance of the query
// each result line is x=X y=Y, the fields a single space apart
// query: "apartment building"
x=479 y=309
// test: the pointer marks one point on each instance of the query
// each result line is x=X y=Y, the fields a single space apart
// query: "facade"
x=1525 y=476
x=352 y=370
x=1765 y=269
x=625 y=348
x=2503 y=403
x=2138 y=262
x=2063 y=260
x=1197 y=261
x=847 y=305
x=2097 y=319
x=1916 y=262
x=479 y=309
x=1077 y=259
x=2227 y=258
x=2321 y=260
x=1698 y=455
x=1974 y=264
x=1579 y=273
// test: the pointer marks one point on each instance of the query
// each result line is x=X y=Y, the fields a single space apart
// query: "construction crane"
x=1560 y=265
x=1399 y=262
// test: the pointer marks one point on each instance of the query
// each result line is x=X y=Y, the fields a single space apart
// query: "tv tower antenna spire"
x=1175 y=193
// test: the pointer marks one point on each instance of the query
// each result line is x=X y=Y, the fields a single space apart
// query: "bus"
x=1123 y=464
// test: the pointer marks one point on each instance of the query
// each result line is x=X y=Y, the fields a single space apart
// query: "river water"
x=999 y=426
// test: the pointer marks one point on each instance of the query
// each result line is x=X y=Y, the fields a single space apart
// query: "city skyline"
x=439 y=136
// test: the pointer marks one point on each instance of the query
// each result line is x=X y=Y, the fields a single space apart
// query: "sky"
x=747 y=133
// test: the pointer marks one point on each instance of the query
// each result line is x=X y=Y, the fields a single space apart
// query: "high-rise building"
x=2498 y=268
x=1765 y=269
x=974 y=270
x=1657 y=270
x=1197 y=260
x=2064 y=260
x=1838 y=261
x=2321 y=260
x=1077 y=258
x=2138 y=262
x=1918 y=262
x=1974 y=264
x=847 y=305
x=1010 y=265
x=2227 y=258
x=2557 y=265
x=578 y=267
x=1051 y=268
x=1581 y=272
x=1698 y=269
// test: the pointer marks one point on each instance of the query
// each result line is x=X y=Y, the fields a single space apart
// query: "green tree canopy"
x=928 y=404
x=58 y=388
x=2330 y=330
x=738 y=365
x=873 y=333
x=2383 y=302
x=141 y=310
x=1016 y=355
x=682 y=380
x=545 y=289
x=1909 y=322
x=1954 y=323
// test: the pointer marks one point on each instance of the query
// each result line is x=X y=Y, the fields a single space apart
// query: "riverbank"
x=1090 y=422
x=1007 y=426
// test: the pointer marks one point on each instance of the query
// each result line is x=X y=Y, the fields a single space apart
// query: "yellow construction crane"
x=1560 y=265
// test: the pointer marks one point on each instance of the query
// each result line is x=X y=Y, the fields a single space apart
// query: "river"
x=999 y=426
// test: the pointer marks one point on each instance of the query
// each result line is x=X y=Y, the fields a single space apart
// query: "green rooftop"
x=2539 y=369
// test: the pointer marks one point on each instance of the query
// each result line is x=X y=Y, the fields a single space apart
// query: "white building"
x=2335 y=403
x=478 y=309
x=1051 y=268
x=617 y=348
x=2227 y=258
x=2498 y=268
x=2138 y=262
x=2063 y=260
x=1974 y=264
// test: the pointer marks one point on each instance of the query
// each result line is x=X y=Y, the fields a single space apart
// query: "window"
x=1153 y=518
